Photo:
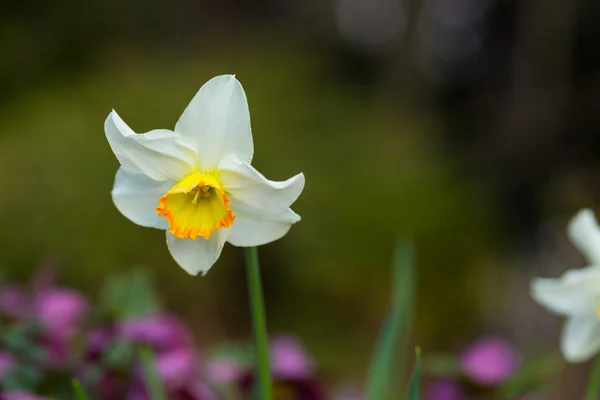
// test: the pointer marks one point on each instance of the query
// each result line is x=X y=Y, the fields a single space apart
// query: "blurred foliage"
x=129 y=295
x=414 y=388
x=464 y=131
x=373 y=172
x=387 y=361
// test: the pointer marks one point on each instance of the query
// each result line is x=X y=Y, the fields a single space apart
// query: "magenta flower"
x=445 y=389
x=178 y=371
x=98 y=341
x=293 y=372
x=176 y=367
x=289 y=360
x=176 y=361
x=60 y=311
x=224 y=370
x=160 y=331
x=489 y=361
x=20 y=396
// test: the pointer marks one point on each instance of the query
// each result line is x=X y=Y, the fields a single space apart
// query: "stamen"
x=195 y=200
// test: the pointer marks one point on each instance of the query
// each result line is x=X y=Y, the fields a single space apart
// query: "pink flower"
x=60 y=311
x=159 y=331
x=224 y=370
x=445 y=389
x=176 y=367
x=293 y=371
x=98 y=341
x=489 y=361
x=20 y=396
x=289 y=361
x=177 y=370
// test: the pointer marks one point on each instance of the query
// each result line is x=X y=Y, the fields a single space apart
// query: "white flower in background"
x=196 y=182
x=576 y=295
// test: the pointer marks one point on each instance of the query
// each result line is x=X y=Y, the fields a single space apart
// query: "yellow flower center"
x=196 y=206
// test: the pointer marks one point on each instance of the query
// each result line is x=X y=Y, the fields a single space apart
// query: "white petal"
x=136 y=197
x=198 y=255
x=578 y=290
x=585 y=234
x=252 y=227
x=246 y=185
x=581 y=337
x=217 y=121
x=159 y=154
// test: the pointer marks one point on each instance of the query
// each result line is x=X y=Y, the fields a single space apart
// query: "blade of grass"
x=593 y=387
x=79 y=393
x=389 y=348
x=413 y=388
x=153 y=382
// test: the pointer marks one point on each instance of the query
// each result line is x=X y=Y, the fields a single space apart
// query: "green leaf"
x=79 y=393
x=22 y=377
x=129 y=295
x=92 y=374
x=21 y=341
x=593 y=387
x=153 y=382
x=413 y=388
x=118 y=355
x=532 y=375
x=392 y=339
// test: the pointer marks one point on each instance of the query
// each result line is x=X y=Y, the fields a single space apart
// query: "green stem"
x=593 y=386
x=259 y=323
x=155 y=386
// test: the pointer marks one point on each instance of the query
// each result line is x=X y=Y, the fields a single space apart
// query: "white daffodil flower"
x=576 y=295
x=196 y=182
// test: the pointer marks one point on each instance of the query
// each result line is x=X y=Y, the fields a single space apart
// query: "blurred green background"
x=470 y=126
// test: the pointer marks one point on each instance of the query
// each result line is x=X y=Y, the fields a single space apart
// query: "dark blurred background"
x=468 y=125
